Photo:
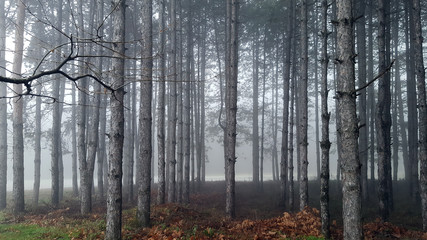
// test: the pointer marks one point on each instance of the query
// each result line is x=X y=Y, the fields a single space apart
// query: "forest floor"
x=259 y=215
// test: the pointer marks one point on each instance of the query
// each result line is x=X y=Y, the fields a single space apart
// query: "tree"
x=286 y=89
x=173 y=102
x=115 y=172
x=145 y=119
x=231 y=107
x=303 y=108
x=383 y=117
x=255 y=127
x=346 y=98
x=3 y=111
x=56 y=124
x=325 y=144
x=17 y=115
x=161 y=109
x=422 y=105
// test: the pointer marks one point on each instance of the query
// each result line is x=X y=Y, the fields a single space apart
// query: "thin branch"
x=376 y=78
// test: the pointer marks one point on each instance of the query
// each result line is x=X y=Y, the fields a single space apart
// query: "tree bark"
x=173 y=99
x=145 y=118
x=303 y=108
x=325 y=144
x=417 y=43
x=115 y=172
x=255 y=114
x=17 y=115
x=348 y=131
x=231 y=106
x=161 y=109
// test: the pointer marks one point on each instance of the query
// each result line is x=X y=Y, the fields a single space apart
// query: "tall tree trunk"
x=348 y=132
x=371 y=102
x=202 y=99
x=383 y=117
x=172 y=117
x=115 y=172
x=417 y=43
x=145 y=118
x=74 y=141
x=316 y=90
x=325 y=143
x=17 y=115
x=255 y=127
x=187 y=105
x=303 y=108
x=286 y=81
x=161 y=109
x=412 y=103
x=3 y=111
x=231 y=106
x=56 y=124
x=261 y=160
x=363 y=131
x=179 y=94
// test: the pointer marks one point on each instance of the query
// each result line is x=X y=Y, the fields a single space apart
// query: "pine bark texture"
x=172 y=118
x=17 y=114
x=325 y=144
x=161 y=109
x=231 y=107
x=286 y=83
x=255 y=125
x=145 y=118
x=348 y=130
x=422 y=107
x=303 y=108
x=115 y=159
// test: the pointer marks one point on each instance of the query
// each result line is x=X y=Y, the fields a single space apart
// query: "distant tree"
x=348 y=132
x=255 y=114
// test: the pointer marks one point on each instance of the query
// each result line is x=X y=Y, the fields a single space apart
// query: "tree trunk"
x=187 y=105
x=17 y=115
x=231 y=106
x=115 y=172
x=74 y=141
x=286 y=81
x=303 y=108
x=383 y=116
x=363 y=131
x=325 y=143
x=145 y=119
x=348 y=132
x=255 y=127
x=161 y=110
x=179 y=94
x=412 y=104
x=3 y=111
x=417 y=43
x=172 y=117
x=371 y=102
x=56 y=124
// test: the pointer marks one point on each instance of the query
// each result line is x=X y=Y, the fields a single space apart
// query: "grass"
x=28 y=232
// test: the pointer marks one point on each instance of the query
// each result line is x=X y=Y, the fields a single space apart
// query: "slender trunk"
x=325 y=143
x=303 y=108
x=179 y=94
x=255 y=127
x=161 y=109
x=261 y=162
x=17 y=115
x=231 y=106
x=417 y=42
x=363 y=131
x=3 y=111
x=115 y=172
x=74 y=141
x=371 y=97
